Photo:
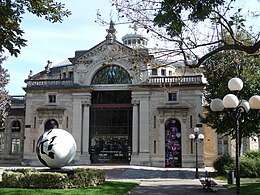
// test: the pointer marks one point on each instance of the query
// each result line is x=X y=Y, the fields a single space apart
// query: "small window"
x=154 y=121
x=70 y=74
x=222 y=145
x=163 y=72
x=67 y=122
x=154 y=147
x=52 y=98
x=170 y=73
x=34 y=122
x=64 y=75
x=191 y=124
x=15 y=146
x=154 y=71
x=172 y=97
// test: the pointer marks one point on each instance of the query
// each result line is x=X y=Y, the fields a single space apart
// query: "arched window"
x=112 y=74
x=16 y=126
x=15 y=137
x=51 y=124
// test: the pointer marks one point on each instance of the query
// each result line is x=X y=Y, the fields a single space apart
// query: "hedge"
x=32 y=178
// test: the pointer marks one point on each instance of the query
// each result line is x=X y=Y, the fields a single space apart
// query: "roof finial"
x=111 y=32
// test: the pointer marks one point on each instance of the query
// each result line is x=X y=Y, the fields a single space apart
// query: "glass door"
x=172 y=143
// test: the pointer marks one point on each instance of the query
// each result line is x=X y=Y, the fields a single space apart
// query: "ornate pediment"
x=87 y=63
x=101 y=55
x=104 y=52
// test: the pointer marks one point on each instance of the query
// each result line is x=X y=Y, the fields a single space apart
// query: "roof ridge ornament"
x=111 y=33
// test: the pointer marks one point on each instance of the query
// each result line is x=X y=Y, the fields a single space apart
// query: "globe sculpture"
x=56 y=148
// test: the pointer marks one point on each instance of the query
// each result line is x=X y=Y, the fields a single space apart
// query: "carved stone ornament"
x=161 y=120
x=81 y=70
x=110 y=53
x=135 y=102
x=86 y=103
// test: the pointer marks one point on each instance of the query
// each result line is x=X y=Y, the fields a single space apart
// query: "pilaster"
x=141 y=133
x=81 y=103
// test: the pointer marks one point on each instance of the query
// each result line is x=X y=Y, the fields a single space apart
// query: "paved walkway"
x=162 y=181
x=158 y=181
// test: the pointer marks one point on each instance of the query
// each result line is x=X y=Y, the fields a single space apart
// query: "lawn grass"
x=247 y=188
x=110 y=187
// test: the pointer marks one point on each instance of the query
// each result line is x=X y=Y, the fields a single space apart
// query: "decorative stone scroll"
x=81 y=71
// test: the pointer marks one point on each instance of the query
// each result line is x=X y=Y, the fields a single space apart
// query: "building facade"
x=120 y=103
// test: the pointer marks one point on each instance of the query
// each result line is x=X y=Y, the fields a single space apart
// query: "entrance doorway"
x=172 y=143
x=111 y=127
x=51 y=124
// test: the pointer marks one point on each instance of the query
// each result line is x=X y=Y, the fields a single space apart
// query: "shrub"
x=253 y=154
x=223 y=163
x=34 y=179
x=250 y=164
x=11 y=179
x=45 y=180
x=31 y=178
x=83 y=178
x=248 y=167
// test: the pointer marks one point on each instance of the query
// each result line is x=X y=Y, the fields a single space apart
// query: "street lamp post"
x=238 y=109
x=197 y=138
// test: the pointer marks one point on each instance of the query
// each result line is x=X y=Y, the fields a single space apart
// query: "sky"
x=58 y=41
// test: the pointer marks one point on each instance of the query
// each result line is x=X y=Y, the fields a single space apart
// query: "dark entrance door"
x=51 y=124
x=172 y=143
x=111 y=127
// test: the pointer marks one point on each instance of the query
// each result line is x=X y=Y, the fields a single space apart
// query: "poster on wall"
x=172 y=143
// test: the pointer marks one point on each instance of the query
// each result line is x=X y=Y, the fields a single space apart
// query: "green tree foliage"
x=218 y=70
x=4 y=97
x=193 y=27
x=223 y=163
x=11 y=16
x=250 y=164
x=170 y=15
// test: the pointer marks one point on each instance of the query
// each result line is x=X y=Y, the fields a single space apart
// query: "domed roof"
x=135 y=40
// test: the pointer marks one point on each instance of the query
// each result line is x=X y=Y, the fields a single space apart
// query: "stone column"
x=85 y=133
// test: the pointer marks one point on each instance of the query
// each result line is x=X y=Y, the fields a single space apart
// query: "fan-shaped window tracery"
x=112 y=75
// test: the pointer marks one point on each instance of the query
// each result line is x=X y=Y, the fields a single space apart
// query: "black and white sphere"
x=56 y=148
